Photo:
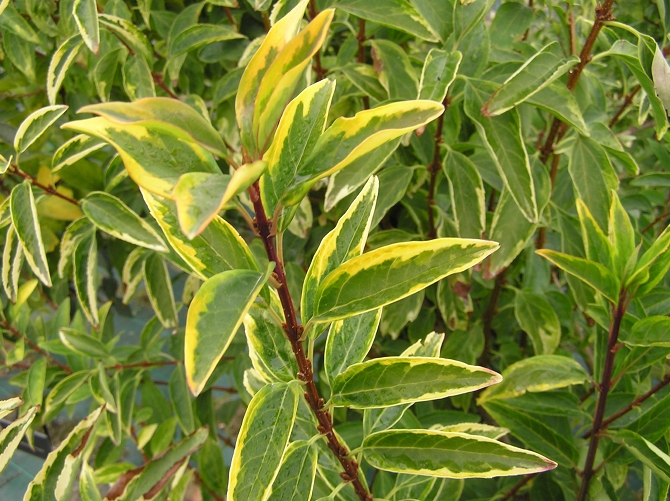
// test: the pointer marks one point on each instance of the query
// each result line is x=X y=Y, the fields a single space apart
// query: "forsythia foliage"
x=347 y=250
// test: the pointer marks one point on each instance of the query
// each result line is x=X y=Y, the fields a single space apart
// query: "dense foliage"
x=401 y=249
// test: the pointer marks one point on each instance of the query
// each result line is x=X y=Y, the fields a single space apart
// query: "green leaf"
x=12 y=261
x=534 y=433
x=215 y=314
x=130 y=34
x=272 y=75
x=598 y=247
x=628 y=53
x=200 y=196
x=274 y=43
x=295 y=480
x=536 y=374
x=351 y=139
x=269 y=345
x=344 y=242
x=133 y=272
x=85 y=14
x=650 y=455
x=11 y=436
x=105 y=71
x=21 y=54
x=302 y=123
x=538 y=318
x=593 y=178
x=467 y=195
x=594 y=274
x=153 y=476
x=651 y=256
x=262 y=441
x=479 y=429
x=349 y=341
x=512 y=230
x=650 y=331
x=27 y=227
x=63 y=390
x=137 y=79
x=504 y=142
x=61 y=468
x=383 y=382
x=13 y=22
x=74 y=150
x=398 y=14
x=560 y=102
x=181 y=400
x=88 y=490
x=179 y=118
x=84 y=265
x=73 y=234
x=159 y=289
x=113 y=216
x=622 y=236
x=155 y=154
x=351 y=177
x=396 y=73
x=60 y=64
x=451 y=455
x=652 y=423
x=365 y=79
x=439 y=72
x=218 y=248
x=512 y=19
x=390 y=273
x=540 y=70
x=35 y=125
x=382 y=419
x=82 y=343
x=8 y=405
x=200 y=35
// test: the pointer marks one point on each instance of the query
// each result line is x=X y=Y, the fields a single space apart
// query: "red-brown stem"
x=572 y=33
x=294 y=333
x=361 y=40
x=434 y=169
x=19 y=96
x=224 y=389
x=627 y=101
x=488 y=316
x=635 y=403
x=318 y=68
x=360 y=58
x=36 y=348
x=617 y=315
x=51 y=190
x=158 y=78
x=230 y=17
x=512 y=492
x=653 y=223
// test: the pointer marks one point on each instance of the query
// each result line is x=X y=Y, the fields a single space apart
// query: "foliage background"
x=517 y=179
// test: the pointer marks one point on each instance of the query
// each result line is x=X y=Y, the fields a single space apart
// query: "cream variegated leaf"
x=366 y=282
x=449 y=454
x=344 y=242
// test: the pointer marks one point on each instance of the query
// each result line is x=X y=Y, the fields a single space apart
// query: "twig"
x=158 y=78
x=488 y=316
x=628 y=100
x=225 y=389
x=145 y=365
x=512 y=492
x=294 y=331
x=35 y=348
x=360 y=58
x=230 y=17
x=572 y=32
x=51 y=190
x=635 y=403
x=617 y=315
x=434 y=169
x=318 y=69
x=653 y=223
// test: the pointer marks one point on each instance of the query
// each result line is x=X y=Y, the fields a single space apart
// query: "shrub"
x=387 y=246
